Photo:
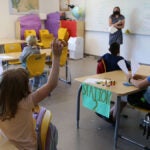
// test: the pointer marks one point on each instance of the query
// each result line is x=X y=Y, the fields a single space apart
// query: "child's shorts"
x=138 y=100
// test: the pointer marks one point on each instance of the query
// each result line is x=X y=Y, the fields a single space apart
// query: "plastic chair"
x=35 y=64
x=31 y=32
x=45 y=38
x=101 y=66
x=41 y=119
x=64 y=35
x=147 y=127
x=64 y=62
x=10 y=48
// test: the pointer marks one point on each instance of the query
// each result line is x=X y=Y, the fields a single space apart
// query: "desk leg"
x=117 y=122
x=78 y=106
x=66 y=70
x=2 y=49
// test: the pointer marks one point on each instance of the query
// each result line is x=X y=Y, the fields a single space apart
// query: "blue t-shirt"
x=147 y=93
x=28 y=50
x=148 y=78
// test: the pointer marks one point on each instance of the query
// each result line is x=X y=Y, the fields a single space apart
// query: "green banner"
x=96 y=99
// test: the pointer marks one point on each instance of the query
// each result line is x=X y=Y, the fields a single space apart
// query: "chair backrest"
x=101 y=67
x=45 y=127
x=45 y=37
x=43 y=32
x=64 y=56
x=11 y=48
x=29 y=32
x=41 y=119
x=35 y=64
x=63 y=34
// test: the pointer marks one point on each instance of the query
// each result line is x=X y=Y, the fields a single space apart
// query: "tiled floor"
x=94 y=133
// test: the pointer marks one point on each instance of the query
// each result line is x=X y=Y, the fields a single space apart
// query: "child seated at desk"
x=17 y=101
x=30 y=49
x=111 y=59
x=140 y=99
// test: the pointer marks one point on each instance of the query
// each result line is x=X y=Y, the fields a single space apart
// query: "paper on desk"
x=6 y=57
x=123 y=66
x=93 y=80
x=134 y=66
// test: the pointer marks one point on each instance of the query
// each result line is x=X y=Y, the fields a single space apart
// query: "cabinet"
x=76 y=40
x=75 y=28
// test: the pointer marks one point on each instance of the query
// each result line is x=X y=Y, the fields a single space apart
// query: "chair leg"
x=66 y=74
x=5 y=65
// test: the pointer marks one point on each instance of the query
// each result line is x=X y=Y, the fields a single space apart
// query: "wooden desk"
x=144 y=70
x=118 y=76
x=16 y=55
x=9 y=41
x=119 y=89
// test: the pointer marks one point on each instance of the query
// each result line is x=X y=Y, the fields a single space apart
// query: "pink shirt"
x=20 y=130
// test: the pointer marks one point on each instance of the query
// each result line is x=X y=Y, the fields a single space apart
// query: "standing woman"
x=116 y=20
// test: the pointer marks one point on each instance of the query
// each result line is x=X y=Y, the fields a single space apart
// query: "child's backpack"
x=47 y=134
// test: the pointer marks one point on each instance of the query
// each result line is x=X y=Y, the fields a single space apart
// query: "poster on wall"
x=63 y=5
x=24 y=6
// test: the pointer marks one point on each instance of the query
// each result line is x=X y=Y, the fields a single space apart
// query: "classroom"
x=81 y=93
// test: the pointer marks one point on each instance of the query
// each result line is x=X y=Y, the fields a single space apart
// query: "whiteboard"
x=136 y=12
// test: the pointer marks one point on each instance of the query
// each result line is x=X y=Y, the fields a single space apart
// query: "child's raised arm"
x=45 y=90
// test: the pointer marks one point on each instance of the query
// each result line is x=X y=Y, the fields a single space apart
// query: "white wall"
x=96 y=43
x=134 y=46
x=7 y=21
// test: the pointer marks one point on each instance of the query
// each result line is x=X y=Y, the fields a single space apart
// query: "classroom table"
x=9 y=41
x=4 y=41
x=16 y=55
x=144 y=70
x=119 y=89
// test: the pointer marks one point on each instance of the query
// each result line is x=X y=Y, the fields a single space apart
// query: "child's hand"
x=129 y=76
x=64 y=42
x=57 y=46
